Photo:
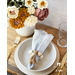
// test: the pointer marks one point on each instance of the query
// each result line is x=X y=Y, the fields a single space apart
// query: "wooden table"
x=11 y=35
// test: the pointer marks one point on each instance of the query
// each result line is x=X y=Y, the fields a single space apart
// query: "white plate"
x=45 y=72
x=23 y=56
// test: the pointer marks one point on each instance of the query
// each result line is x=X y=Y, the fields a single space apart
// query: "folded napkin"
x=40 y=41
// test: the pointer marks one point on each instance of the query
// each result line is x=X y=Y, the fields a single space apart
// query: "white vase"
x=25 y=31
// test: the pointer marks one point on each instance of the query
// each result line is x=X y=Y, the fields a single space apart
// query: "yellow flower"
x=29 y=3
x=23 y=14
x=16 y=23
x=31 y=21
x=31 y=10
x=12 y=12
x=42 y=4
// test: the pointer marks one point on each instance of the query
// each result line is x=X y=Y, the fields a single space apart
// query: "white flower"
x=42 y=4
x=31 y=10
x=31 y=20
x=12 y=12
x=29 y=3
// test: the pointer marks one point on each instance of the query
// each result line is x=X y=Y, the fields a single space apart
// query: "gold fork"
x=63 y=62
x=16 y=42
x=66 y=67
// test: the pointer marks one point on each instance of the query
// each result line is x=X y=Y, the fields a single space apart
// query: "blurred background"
x=57 y=13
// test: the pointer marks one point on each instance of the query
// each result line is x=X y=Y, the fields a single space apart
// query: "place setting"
x=37 y=55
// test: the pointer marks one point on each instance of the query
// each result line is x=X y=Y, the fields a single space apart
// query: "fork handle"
x=59 y=71
x=10 y=53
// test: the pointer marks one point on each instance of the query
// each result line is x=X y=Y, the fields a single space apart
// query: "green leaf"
x=8 y=1
x=34 y=0
x=20 y=2
x=11 y=3
x=15 y=0
x=17 y=5
x=23 y=1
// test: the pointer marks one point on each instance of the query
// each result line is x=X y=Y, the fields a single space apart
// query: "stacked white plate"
x=45 y=66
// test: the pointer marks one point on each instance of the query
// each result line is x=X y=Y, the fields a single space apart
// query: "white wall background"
x=57 y=13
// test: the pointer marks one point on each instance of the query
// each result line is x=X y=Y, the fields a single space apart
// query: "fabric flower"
x=12 y=12
x=29 y=3
x=31 y=20
x=16 y=23
x=31 y=10
x=41 y=14
x=42 y=4
x=23 y=14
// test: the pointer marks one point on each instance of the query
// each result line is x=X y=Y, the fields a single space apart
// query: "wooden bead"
x=41 y=56
x=30 y=52
x=39 y=53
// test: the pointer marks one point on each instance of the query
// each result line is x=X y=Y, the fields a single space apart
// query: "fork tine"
x=17 y=40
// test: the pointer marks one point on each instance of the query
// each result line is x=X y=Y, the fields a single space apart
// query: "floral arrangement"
x=26 y=13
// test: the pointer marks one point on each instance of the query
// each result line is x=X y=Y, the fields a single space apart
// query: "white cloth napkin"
x=40 y=41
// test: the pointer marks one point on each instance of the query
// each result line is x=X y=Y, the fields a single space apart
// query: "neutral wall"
x=57 y=14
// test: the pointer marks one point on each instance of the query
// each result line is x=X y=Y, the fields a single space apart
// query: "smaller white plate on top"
x=23 y=56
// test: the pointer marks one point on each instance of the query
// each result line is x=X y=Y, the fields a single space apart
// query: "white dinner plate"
x=21 y=59
x=23 y=55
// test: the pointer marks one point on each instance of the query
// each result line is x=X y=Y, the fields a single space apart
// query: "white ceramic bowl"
x=23 y=56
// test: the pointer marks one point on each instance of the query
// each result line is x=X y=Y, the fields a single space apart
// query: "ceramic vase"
x=25 y=31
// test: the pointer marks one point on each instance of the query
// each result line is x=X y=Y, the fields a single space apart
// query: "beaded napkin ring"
x=33 y=54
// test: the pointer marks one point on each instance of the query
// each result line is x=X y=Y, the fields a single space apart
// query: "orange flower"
x=16 y=23
x=23 y=14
